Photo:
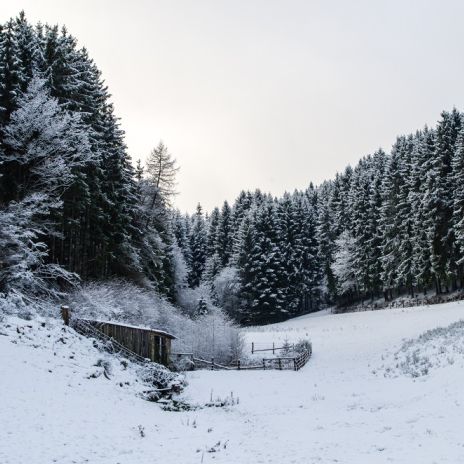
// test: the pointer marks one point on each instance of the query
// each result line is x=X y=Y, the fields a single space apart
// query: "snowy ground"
x=357 y=400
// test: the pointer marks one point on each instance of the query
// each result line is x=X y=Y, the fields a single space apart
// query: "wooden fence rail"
x=301 y=360
x=273 y=349
x=281 y=363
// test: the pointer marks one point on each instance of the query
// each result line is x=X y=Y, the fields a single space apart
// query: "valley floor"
x=350 y=404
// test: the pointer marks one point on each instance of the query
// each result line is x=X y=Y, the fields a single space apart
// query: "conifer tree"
x=326 y=231
x=224 y=240
x=46 y=146
x=439 y=203
x=213 y=225
x=423 y=154
x=264 y=296
x=197 y=240
x=458 y=202
x=390 y=221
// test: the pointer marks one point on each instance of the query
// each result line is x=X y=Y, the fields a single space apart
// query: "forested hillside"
x=71 y=202
x=74 y=208
x=393 y=224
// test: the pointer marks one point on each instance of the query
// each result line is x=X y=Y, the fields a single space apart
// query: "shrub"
x=303 y=345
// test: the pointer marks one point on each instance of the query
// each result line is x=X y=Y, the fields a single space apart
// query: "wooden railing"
x=199 y=362
x=256 y=347
x=294 y=363
x=301 y=360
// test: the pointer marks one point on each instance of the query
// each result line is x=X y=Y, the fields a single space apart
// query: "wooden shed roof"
x=160 y=333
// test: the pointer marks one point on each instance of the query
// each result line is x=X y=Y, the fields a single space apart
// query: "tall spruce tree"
x=198 y=242
x=224 y=240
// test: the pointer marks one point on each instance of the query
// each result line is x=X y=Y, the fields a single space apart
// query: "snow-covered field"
x=362 y=398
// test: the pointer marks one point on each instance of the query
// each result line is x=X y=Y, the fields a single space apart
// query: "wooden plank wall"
x=143 y=342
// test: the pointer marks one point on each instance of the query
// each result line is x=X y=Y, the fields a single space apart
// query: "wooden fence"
x=294 y=363
x=255 y=348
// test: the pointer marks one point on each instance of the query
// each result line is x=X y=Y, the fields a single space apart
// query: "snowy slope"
x=344 y=406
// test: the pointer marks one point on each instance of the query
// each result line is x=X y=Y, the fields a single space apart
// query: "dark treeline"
x=70 y=201
x=393 y=225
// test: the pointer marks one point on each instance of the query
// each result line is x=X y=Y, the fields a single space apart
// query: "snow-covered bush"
x=215 y=336
x=191 y=300
x=303 y=345
x=211 y=335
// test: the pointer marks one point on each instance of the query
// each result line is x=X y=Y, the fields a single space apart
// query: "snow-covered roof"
x=148 y=329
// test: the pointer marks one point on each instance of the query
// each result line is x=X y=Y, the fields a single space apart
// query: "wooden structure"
x=152 y=344
x=138 y=343
x=65 y=314
x=294 y=363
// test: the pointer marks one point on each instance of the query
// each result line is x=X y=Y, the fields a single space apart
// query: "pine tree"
x=423 y=155
x=11 y=73
x=374 y=242
x=46 y=146
x=343 y=266
x=197 y=257
x=241 y=206
x=458 y=201
x=309 y=272
x=181 y=231
x=390 y=225
x=405 y=271
x=288 y=276
x=439 y=204
x=213 y=266
x=326 y=230
x=161 y=171
x=359 y=205
x=224 y=240
x=213 y=225
x=28 y=51
x=260 y=267
x=45 y=140
x=243 y=261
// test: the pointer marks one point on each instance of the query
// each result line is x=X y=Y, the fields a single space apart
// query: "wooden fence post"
x=65 y=314
x=212 y=364
x=238 y=364
x=264 y=365
x=294 y=364
x=280 y=363
x=252 y=347
x=273 y=348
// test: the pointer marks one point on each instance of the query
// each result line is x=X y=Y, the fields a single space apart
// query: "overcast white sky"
x=263 y=93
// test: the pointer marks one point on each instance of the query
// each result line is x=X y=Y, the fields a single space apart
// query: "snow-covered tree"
x=223 y=247
x=343 y=265
x=197 y=242
x=45 y=145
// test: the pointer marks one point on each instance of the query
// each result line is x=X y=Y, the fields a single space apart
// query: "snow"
x=138 y=327
x=343 y=406
x=442 y=346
